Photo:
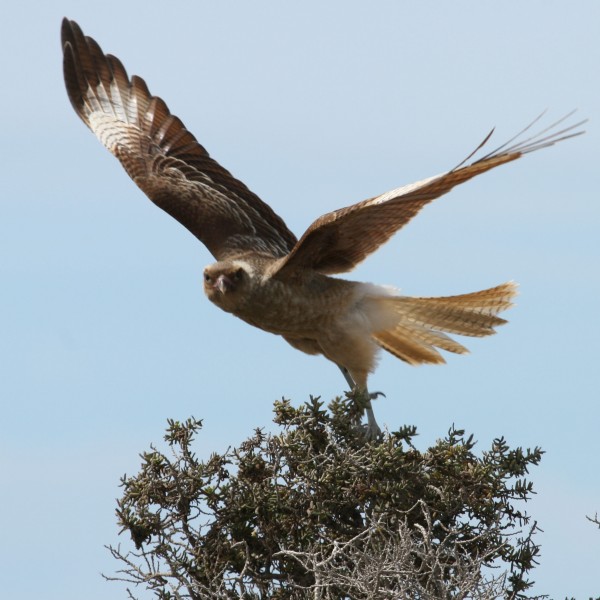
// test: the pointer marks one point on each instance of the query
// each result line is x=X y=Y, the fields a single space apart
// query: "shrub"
x=317 y=511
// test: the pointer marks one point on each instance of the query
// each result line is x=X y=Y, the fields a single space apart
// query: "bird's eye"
x=207 y=278
x=238 y=274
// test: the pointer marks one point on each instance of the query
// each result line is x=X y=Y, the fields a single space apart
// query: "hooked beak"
x=223 y=284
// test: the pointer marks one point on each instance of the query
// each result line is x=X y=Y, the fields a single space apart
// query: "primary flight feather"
x=264 y=274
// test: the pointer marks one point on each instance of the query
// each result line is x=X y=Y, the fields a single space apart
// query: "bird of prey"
x=263 y=274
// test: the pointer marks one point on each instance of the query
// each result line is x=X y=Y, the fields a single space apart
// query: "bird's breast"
x=300 y=307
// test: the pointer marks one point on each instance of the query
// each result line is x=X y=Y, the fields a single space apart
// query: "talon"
x=373 y=432
x=370 y=432
x=362 y=399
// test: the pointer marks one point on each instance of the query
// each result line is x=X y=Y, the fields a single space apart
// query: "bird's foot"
x=362 y=399
x=373 y=430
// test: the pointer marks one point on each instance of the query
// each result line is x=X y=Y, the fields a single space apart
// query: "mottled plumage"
x=263 y=274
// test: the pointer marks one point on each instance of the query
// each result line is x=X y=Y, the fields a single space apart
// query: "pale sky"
x=104 y=329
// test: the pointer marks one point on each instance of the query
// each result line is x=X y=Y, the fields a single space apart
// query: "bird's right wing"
x=163 y=158
x=339 y=240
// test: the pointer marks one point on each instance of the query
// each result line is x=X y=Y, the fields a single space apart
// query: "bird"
x=263 y=273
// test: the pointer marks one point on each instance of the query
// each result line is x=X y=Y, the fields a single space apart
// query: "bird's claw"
x=362 y=400
x=372 y=431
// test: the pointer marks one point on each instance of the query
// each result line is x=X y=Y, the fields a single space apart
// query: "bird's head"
x=226 y=284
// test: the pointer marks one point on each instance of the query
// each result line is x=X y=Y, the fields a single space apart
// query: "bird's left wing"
x=339 y=240
x=163 y=157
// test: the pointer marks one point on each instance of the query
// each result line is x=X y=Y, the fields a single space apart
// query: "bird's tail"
x=415 y=327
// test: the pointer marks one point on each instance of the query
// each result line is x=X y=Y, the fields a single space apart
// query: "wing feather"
x=339 y=240
x=163 y=158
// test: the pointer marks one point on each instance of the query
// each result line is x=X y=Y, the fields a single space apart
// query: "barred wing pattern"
x=176 y=173
x=339 y=240
x=163 y=158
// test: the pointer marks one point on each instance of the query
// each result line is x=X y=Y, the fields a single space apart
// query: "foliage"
x=317 y=511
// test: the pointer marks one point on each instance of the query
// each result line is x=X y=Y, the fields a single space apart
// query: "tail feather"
x=417 y=345
x=407 y=348
x=414 y=327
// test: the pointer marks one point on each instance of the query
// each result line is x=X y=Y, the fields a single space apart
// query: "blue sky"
x=105 y=332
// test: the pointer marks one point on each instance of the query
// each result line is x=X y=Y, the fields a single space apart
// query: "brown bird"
x=263 y=274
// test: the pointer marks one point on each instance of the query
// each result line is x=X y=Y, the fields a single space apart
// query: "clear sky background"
x=104 y=329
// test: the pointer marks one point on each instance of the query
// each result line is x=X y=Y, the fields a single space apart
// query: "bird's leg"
x=373 y=429
x=347 y=377
x=363 y=398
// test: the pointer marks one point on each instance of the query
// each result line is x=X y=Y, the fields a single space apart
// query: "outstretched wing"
x=163 y=158
x=339 y=240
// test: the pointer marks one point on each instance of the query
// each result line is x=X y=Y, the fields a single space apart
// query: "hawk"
x=263 y=274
